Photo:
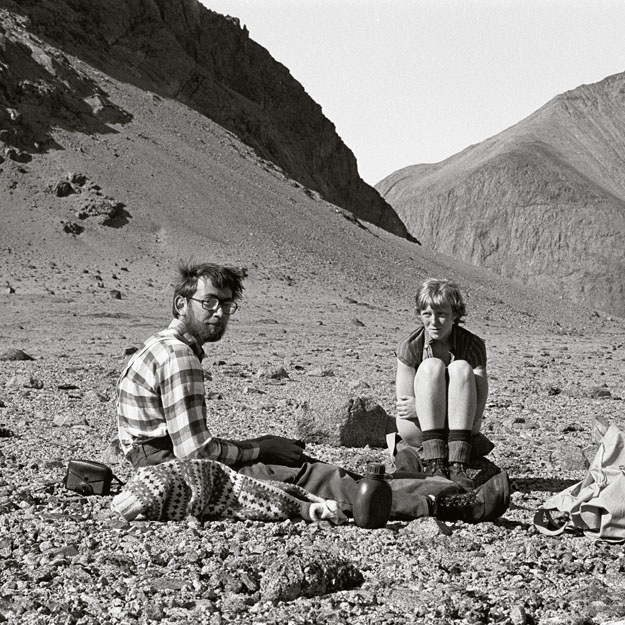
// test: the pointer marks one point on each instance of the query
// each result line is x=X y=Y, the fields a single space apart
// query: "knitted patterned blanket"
x=207 y=489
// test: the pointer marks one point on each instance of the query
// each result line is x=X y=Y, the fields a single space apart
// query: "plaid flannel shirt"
x=161 y=392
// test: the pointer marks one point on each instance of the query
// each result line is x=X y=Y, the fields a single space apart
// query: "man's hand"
x=280 y=450
x=406 y=408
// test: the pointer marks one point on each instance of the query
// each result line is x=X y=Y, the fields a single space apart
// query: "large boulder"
x=310 y=573
x=358 y=422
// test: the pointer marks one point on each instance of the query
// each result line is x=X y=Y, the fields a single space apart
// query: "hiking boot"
x=458 y=475
x=485 y=503
x=437 y=467
x=406 y=460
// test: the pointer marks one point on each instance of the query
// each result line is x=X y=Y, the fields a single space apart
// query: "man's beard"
x=205 y=332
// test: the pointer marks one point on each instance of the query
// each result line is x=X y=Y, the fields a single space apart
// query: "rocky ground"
x=94 y=218
x=68 y=559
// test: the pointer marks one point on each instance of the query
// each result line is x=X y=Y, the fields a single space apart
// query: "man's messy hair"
x=221 y=277
x=436 y=293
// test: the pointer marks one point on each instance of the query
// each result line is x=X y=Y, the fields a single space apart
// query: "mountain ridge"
x=542 y=202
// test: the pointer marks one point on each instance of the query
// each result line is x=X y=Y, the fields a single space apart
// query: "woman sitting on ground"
x=441 y=384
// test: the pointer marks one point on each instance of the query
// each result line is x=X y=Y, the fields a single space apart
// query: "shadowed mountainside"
x=541 y=203
x=181 y=51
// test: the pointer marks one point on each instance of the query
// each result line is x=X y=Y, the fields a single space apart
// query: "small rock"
x=515 y=422
x=360 y=384
x=14 y=354
x=34 y=383
x=168 y=583
x=518 y=615
x=113 y=453
x=130 y=350
x=54 y=464
x=277 y=373
x=572 y=427
x=153 y=611
x=569 y=458
x=6 y=547
x=67 y=551
x=15 y=115
x=68 y=420
x=115 y=294
x=321 y=372
x=101 y=397
x=426 y=528
x=63 y=188
x=356 y=322
x=76 y=178
x=71 y=227
x=599 y=392
x=25 y=381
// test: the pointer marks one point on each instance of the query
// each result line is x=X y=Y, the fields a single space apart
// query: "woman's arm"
x=481 y=387
x=407 y=422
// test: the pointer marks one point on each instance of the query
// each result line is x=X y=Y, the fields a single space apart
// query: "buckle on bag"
x=88 y=477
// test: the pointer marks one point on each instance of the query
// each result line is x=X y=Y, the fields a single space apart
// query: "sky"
x=416 y=81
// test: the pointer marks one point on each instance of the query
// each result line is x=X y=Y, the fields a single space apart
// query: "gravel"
x=65 y=558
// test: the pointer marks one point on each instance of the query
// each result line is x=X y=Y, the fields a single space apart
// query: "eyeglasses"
x=211 y=304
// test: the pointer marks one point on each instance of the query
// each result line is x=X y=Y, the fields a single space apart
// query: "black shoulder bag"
x=88 y=477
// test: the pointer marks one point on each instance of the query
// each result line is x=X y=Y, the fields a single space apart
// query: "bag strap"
x=118 y=480
x=545 y=524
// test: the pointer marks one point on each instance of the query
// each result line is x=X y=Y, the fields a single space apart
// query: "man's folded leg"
x=323 y=480
x=412 y=497
x=154 y=452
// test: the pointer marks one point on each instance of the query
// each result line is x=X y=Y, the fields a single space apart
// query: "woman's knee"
x=461 y=370
x=430 y=369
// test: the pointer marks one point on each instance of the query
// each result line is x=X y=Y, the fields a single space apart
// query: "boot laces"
x=457 y=500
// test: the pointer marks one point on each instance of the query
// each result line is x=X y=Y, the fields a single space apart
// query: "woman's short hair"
x=436 y=293
x=221 y=277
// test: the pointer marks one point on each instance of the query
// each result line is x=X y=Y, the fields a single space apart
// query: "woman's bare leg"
x=431 y=406
x=431 y=394
x=462 y=398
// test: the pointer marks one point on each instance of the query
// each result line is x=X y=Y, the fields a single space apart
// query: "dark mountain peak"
x=183 y=51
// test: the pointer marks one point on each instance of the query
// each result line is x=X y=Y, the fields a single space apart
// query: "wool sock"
x=459 y=443
x=434 y=444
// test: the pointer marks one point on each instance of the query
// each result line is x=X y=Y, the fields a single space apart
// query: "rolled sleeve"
x=406 y=353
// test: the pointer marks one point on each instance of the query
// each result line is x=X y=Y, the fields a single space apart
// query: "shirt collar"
x=428 y=340
x=180 y=328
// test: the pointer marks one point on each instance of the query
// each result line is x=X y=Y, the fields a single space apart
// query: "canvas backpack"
x=596 y=505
